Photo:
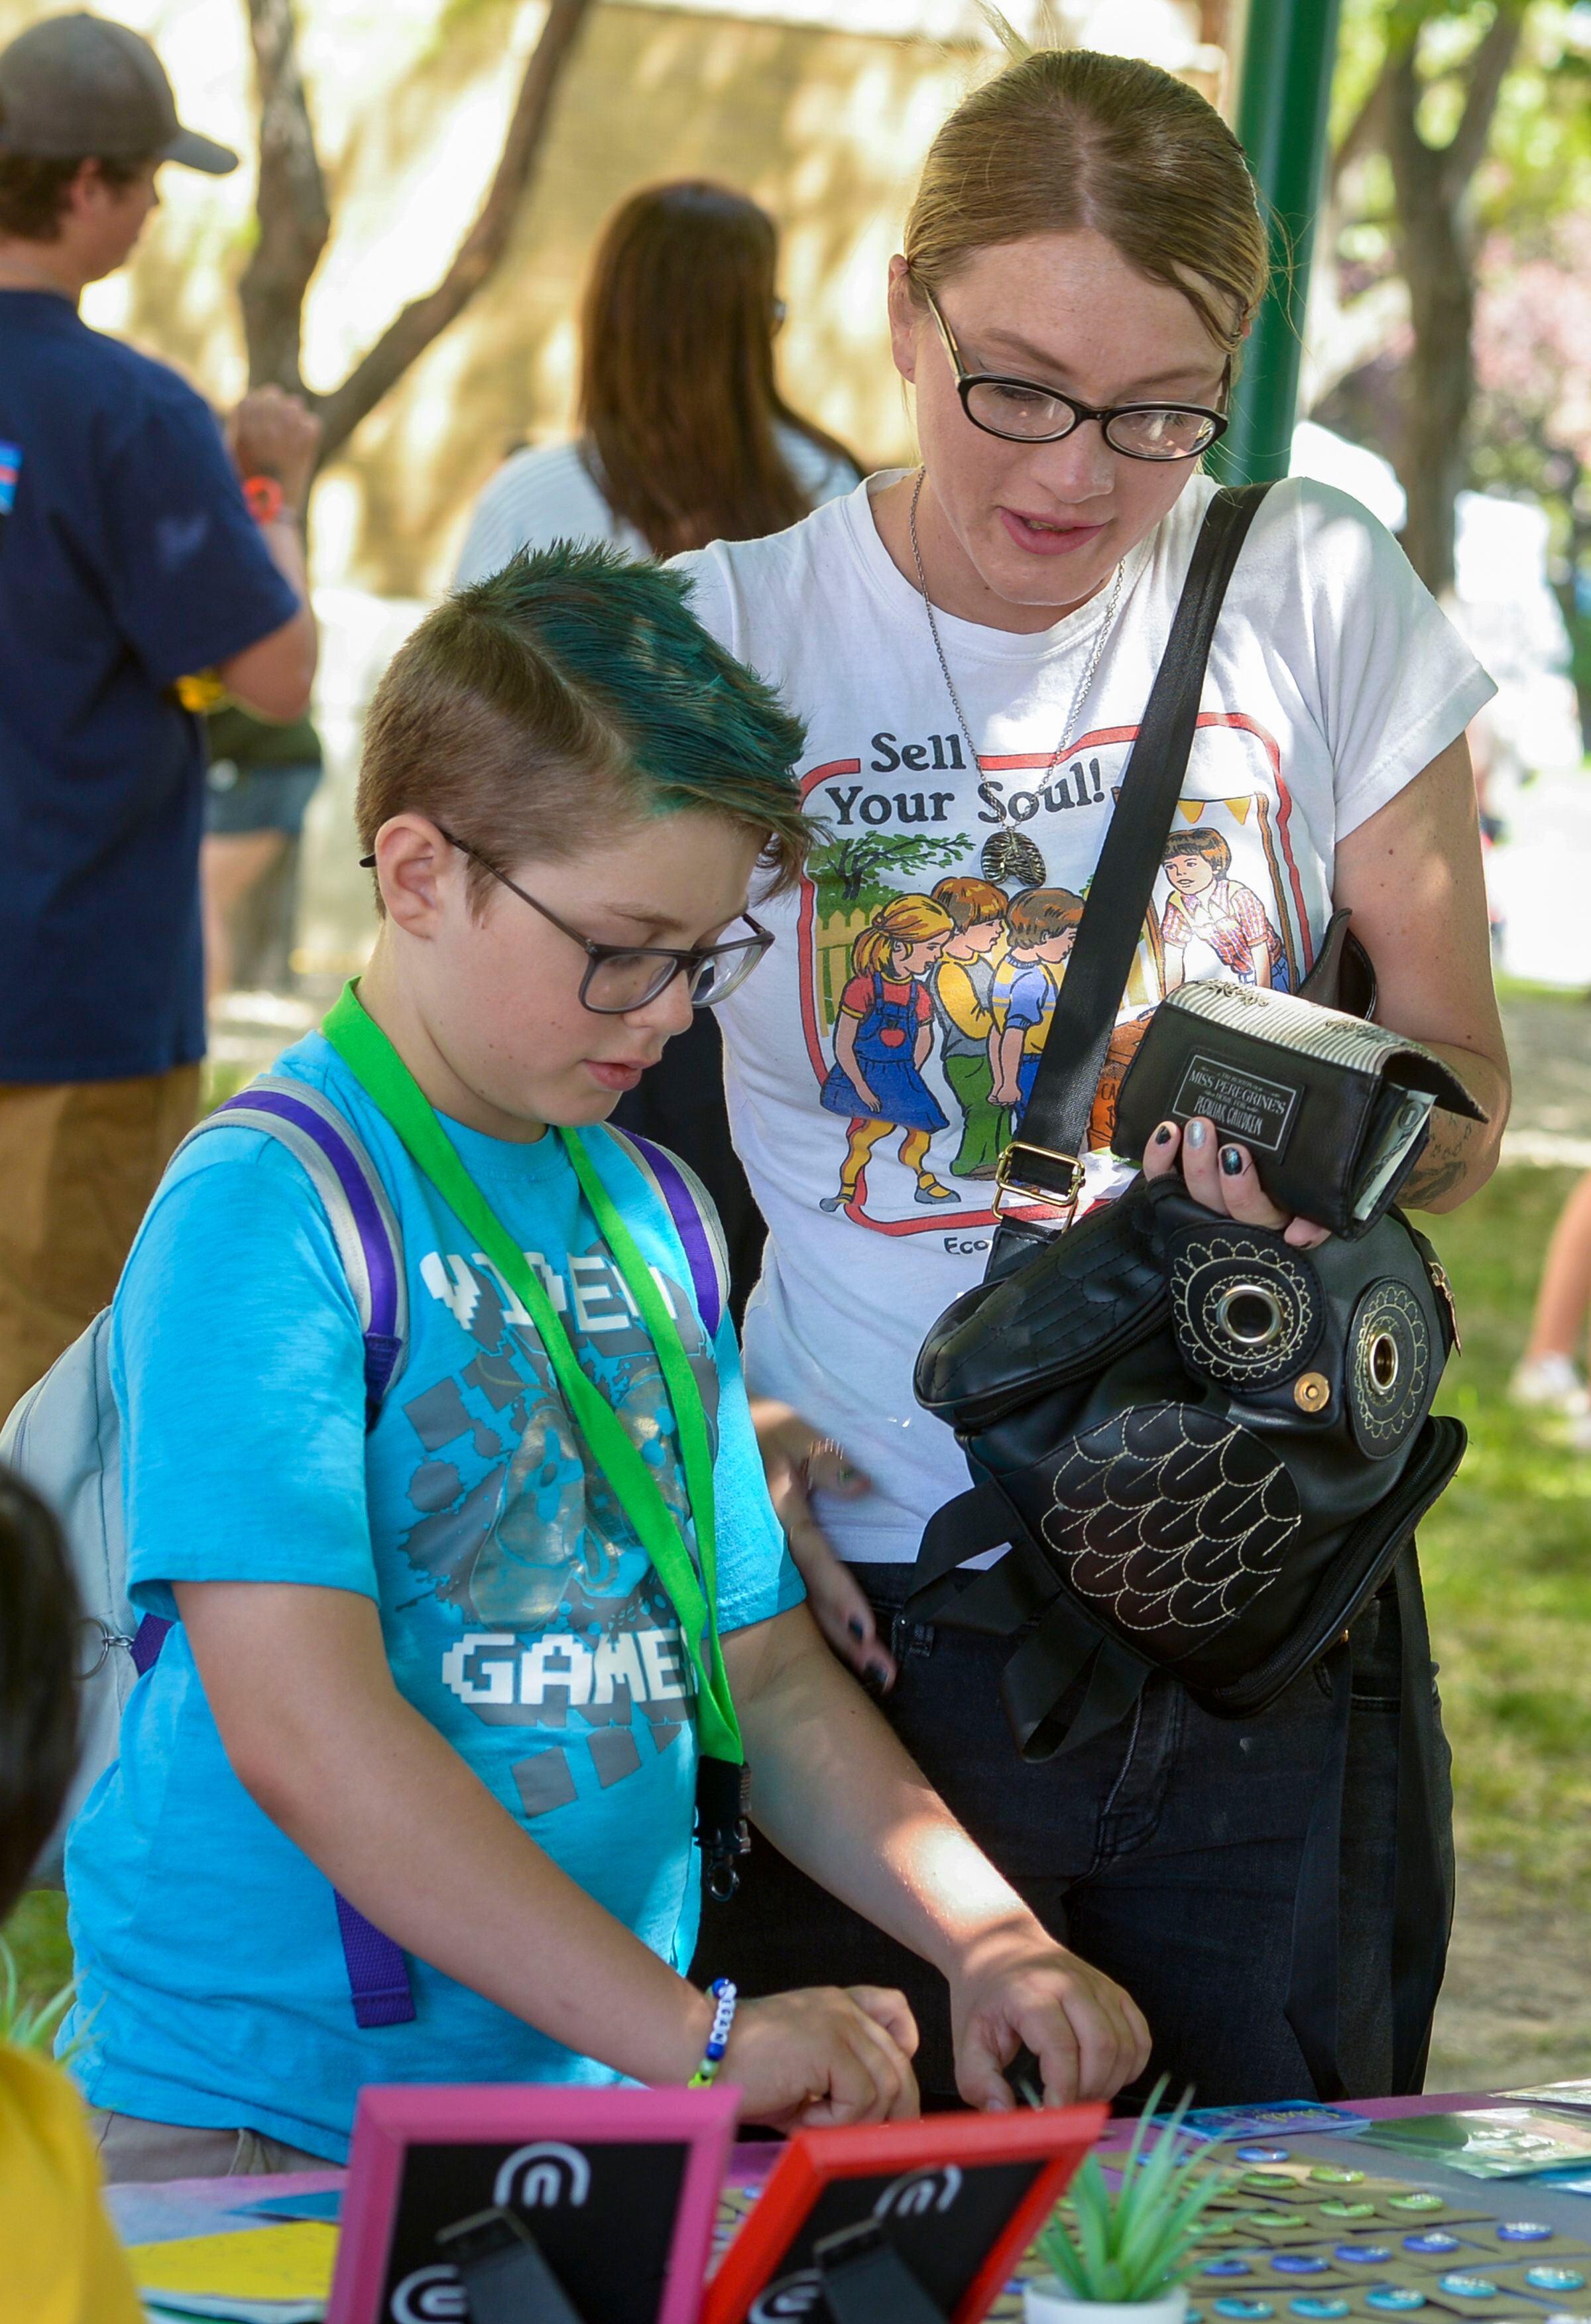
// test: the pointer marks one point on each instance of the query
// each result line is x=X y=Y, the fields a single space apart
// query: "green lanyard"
x=387 y=1081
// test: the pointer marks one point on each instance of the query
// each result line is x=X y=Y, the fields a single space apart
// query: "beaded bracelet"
x=724 y=1998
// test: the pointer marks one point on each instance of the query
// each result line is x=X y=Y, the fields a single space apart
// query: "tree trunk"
x=289 y=205
x=412 y=330
x=1437 y=259
x=294 y=223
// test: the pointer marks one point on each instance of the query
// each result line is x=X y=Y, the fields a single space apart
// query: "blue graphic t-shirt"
x=520 y=1615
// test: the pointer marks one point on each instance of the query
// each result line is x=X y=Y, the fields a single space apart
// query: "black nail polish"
x=1163 y=1135
x=856 y=1626
x=876 y=1677
x=1232 y=1161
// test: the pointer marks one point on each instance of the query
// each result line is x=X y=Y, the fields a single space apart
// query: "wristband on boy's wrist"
x=725 y=1997
x=267 y=502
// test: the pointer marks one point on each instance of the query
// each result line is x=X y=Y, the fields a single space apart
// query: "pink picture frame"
x=532 y=2147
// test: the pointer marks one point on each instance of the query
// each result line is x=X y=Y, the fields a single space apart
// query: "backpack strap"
x=358 y=1211
x=366 y=1229
x=695 y=1222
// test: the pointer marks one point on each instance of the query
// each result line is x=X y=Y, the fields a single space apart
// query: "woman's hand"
x=795 y=1459
x=822 y=2057
x=1224 y=1178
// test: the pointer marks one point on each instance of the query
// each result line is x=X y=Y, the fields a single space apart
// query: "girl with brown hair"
x=1080 y=267
x=684 y=435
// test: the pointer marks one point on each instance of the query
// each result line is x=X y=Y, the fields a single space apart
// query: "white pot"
x=1046 y=2301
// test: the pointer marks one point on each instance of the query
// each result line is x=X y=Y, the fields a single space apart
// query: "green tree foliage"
x=1461 y=134
x=849 y=872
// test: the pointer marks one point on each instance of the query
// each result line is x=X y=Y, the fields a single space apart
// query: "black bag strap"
x=1044 y=1160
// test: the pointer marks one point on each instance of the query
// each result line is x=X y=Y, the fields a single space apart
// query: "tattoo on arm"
x=1445 y=1161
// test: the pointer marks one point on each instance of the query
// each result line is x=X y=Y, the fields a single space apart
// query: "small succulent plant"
x=28 y=2025
x=1136 y=2241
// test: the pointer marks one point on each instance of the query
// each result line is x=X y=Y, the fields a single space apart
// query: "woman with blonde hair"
x=1081 y=265
x=883 y=1038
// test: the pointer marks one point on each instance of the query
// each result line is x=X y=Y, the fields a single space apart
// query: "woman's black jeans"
x=1167 y=1852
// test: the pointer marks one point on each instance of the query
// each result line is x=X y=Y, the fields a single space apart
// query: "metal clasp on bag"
x=1008 y=1178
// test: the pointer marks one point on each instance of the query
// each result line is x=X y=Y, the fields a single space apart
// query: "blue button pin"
x=1261 y=2154
x=1468 y=2287
x=1393 y=2296
x=1226 y=2266
x=1555 y=2279
x=1366 y=2255
x=1288 y=2262
x=1524 y=2231
x=1318 y=2304
x=1433 y=2239
x=1244 y=2311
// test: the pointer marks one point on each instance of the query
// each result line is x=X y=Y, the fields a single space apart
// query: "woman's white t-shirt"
x=1333 y=680
x=544 y=494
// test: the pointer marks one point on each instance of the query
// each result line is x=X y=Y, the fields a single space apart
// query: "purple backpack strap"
x=684 y=1199
x=368 y=1242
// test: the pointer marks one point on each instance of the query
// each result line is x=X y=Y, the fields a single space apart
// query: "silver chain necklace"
x=1080 y=693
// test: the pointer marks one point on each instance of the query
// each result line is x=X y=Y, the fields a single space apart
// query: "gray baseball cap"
x=79 y=85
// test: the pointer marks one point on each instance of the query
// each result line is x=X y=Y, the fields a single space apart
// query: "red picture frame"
x=912 y=2155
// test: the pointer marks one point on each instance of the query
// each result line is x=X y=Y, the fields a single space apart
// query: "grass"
x=1507 y=1570
x=1507 y=1560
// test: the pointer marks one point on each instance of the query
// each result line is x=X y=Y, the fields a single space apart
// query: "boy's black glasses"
x=1024 y=413
x=621 y=977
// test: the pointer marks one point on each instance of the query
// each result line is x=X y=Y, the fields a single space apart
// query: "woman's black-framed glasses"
x=1024 y=413
x=619 y=978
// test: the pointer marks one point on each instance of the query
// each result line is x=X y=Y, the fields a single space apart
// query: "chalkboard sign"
x=959 y=2197
x=617 y=2187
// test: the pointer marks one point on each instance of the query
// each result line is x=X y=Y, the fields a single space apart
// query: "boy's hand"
x=273 y=434
x=1017 y=1988
x=795 y=1459
x=823 y=2057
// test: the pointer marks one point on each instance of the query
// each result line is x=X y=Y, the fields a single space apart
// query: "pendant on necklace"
x=1011 y=855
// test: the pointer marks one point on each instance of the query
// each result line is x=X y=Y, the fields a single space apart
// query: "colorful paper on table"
x=325 y=2203
x=265 y=2272
x=1294 y=2119
x=1574 y=2095
x=1492 y=2142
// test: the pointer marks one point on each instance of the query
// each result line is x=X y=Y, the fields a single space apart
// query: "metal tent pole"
x=1289 y=50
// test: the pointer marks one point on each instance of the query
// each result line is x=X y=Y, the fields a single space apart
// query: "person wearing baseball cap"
x=138 y=548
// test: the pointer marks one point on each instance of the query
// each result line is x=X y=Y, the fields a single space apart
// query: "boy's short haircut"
x=571 y=690
x=1040 y=913
x=39 y=1622
x=34 y=191
x=970 y=902
x=1204 y=841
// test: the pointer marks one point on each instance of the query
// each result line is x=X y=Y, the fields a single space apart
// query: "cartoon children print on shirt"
x=883 y=1038
x=1041 y=926
x=1214 y=925
x=965 y=925
x=963 y=982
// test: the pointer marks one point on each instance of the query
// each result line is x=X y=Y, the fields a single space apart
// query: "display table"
x=202 y=2207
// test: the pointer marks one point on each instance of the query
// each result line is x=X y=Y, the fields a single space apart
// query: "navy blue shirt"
x=128 y=561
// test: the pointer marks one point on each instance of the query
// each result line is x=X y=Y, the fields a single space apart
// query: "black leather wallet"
x=1334 y=1111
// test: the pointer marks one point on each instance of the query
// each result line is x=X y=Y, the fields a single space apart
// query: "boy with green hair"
x=454 y=1672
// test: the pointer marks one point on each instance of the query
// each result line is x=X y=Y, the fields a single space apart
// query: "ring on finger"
x=823 y=1448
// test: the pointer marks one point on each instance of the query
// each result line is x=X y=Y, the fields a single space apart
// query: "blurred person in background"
x=683 y=438
x=264 y=774
x=130 y=560
x=1547 y=1378
x=63 y=2264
